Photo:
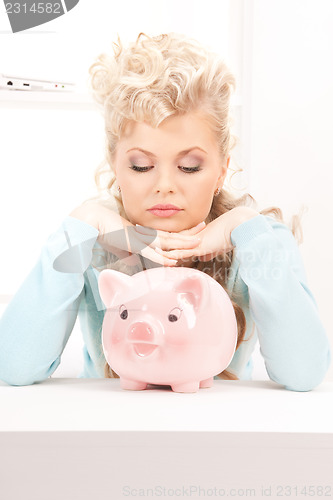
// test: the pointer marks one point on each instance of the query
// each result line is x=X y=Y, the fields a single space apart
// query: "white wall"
x=291 y=126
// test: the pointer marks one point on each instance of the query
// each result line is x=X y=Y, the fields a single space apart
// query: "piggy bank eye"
x=174 y=315
x=123 y=312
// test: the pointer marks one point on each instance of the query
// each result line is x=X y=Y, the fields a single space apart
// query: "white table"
x=68 y=439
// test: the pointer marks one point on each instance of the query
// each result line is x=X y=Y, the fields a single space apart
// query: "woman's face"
x=175 y=164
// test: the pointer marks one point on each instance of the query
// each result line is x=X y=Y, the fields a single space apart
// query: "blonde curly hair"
x=157 y=77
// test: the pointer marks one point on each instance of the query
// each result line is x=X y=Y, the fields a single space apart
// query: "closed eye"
x=140 y=169
x=187 y=170
x=191 y=169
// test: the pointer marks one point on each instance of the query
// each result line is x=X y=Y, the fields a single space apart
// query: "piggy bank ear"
x=194 y=290
x=112 y=286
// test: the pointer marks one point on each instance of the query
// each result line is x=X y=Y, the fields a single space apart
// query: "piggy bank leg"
x=206 y=383
x=132 y=385
x=187 y=387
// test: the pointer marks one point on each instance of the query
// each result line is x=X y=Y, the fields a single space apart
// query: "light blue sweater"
x=267 y=277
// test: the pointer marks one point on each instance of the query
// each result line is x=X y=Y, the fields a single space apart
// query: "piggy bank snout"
x=141 y=331
x=143 y=339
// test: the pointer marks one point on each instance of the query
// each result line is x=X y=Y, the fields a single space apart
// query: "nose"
x=165 y=182
x=141 y=332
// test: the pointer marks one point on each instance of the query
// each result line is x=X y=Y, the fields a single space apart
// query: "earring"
x=217 y=191
x=119 y=190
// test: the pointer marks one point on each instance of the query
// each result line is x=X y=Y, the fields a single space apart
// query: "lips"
x=165 y=207
x=164 y=210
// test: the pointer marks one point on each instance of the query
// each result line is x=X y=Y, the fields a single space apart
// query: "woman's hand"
x=215 y=237
x=119 y=236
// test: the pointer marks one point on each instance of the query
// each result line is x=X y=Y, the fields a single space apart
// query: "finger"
x=164 y=235
x=174 y=242
x=169 y=243
x=194 y=230
x=178 y=254
x=154 y=256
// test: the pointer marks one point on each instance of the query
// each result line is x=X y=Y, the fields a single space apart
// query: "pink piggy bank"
x=166 y=326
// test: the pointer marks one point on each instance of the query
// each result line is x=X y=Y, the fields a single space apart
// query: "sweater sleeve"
x=292 y=339
x=38 y=321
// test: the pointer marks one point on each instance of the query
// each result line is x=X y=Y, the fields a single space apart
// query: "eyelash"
x=188 y=170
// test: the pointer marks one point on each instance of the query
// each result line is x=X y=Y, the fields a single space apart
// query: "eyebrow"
x=181 y=153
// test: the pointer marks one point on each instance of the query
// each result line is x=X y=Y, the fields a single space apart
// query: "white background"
x=281 y=52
